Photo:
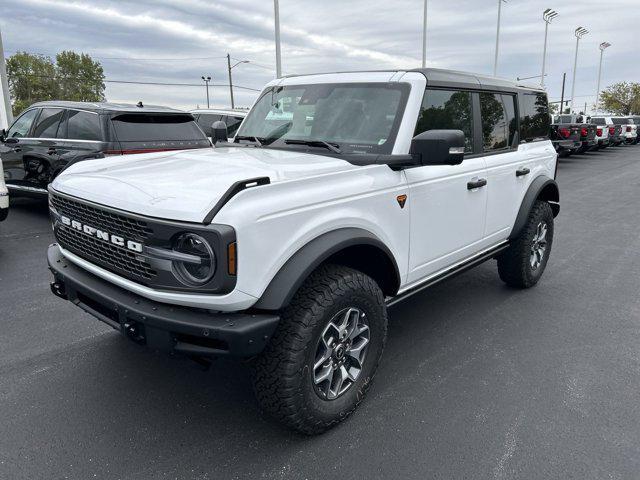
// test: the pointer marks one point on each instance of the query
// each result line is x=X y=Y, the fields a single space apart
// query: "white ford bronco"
x=341 y=195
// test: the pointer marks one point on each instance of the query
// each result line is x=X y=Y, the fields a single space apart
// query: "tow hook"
x=57 y=288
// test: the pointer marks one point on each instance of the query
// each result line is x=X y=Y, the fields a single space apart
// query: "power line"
x=136 y=82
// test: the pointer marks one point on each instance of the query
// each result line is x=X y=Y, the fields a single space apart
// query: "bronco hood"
x=184 y=185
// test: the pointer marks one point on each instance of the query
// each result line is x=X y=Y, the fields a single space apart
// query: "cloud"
x=331 y=35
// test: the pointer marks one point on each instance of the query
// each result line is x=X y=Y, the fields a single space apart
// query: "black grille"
x=112 y=257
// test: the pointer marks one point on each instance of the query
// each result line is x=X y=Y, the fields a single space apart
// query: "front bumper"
x=158 y=325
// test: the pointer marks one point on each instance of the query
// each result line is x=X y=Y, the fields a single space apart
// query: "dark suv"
x=49 y=136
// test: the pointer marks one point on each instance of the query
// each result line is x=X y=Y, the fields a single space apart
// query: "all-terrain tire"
x=516 y=264
x=283 y=374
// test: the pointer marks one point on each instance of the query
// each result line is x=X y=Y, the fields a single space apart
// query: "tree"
x=35 y=78
x=79 y=77
x=31 y=79
x=621 y=99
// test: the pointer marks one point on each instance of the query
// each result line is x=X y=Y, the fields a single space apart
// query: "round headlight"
x=198 y=270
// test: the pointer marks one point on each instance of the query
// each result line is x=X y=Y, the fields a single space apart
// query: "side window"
x=205 y=120
x=512 y=122
x=83 y=126
x=22 y=125
x=448 y=110
x=233 y=123
x=494 y=122
x=48 y=122
x=534 y=117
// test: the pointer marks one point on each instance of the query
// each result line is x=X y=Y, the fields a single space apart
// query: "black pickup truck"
x=587 y=131
x=565 y=138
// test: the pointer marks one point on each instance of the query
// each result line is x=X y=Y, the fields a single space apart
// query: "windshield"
x=354 y=118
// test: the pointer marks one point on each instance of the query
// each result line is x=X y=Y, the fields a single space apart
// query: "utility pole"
x=6 y=116
x=276 y=14
x=547 y=16
x=206 y=81
x=230 y=81
x=424 y=36
x=564 y=78
x=579 y=33
x=495 y=60
x=602 y=47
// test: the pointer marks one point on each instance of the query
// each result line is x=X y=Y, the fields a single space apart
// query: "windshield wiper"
x=315 y=143
x=257 y=140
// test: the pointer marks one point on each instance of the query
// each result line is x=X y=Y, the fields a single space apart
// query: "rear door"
x=41 y=159
x=153 y=132
x=447 y=211
x=82 y=138
x=500 y=148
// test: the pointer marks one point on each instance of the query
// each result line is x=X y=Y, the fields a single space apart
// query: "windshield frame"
x=385 y=149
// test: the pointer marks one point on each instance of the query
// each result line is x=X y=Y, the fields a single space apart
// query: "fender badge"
x=402 y=199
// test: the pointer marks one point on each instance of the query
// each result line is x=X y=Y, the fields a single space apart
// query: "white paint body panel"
x=442 y=223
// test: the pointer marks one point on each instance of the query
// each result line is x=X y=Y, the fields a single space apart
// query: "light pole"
x=579 y=33
x=424 y=36
x=206 y=81
x=276 y=15
x=602 y=47
x=547 y=16
x=495 y=60
x=229 y=66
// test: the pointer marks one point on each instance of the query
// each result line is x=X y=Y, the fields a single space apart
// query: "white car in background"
x=629 y=129
x=206 y=117
x=4 y=196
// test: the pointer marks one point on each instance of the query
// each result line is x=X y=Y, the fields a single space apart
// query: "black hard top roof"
x=437 y=77
x=107 y=107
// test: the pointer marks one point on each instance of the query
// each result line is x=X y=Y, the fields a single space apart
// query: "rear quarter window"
x=82 y=126
x=137 y=127
x=534 y=117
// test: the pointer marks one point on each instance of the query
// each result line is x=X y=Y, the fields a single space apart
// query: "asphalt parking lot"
x=477 y=381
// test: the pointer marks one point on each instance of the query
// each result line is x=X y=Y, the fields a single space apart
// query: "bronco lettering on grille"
x=102 y=235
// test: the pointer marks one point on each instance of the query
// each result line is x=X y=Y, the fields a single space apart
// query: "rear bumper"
x=158 y=325
x=561 y=145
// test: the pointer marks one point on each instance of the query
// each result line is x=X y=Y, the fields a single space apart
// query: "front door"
x=448 y=202
x=16 y=142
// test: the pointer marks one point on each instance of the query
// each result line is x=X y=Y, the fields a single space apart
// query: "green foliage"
x=621 y=99
x=35 y=78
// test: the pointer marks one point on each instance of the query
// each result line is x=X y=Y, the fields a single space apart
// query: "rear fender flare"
x=542 y=188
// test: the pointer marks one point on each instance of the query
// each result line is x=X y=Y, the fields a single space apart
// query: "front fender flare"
x=295 y=271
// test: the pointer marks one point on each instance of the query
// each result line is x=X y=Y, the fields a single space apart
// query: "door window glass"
x=509 y=102
x=233 y=123
x=494 y=122
x=447 y=110
x=83 y=126
x=48 y=122
x=22 y=125
x=205 y=120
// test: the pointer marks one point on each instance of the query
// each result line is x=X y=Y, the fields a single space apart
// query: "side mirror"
x=11 y=140
x=219 y=132
x=439 y=147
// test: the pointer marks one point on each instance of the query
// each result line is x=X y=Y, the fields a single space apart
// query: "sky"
x=166 y=41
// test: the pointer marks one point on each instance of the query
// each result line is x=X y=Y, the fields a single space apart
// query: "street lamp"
x=602 y=47
x=206 y=81
x=229 y=66
x=579 y=33
x=276 y=16
x=495 y=60
x=424 y=36
x=547 y=16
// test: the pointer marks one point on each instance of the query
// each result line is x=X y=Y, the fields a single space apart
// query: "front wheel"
x=523 y=263
x=325 y=352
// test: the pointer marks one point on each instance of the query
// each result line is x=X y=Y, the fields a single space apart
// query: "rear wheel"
x=322 y=359
x=523 y=263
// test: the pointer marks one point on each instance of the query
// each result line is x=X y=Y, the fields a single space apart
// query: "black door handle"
x=522 y=171
x=480 y=182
